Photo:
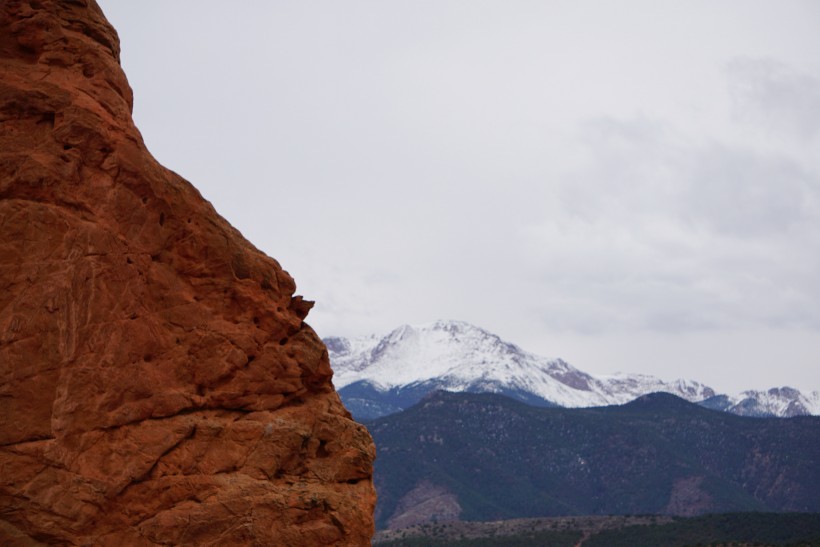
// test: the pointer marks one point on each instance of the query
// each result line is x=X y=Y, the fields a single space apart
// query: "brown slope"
x=157 y=382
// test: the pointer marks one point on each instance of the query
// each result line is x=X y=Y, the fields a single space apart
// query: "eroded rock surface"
x=158 y=384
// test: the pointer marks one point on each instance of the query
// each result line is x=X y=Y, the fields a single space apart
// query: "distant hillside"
x=381 y=375
x=487 y=457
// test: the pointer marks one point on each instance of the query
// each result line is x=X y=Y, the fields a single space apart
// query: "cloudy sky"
x=633 y=186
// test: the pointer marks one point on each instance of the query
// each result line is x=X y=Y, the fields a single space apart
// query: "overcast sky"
x=632 y=186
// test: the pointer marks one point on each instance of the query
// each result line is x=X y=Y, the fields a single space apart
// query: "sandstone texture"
x=158 y=384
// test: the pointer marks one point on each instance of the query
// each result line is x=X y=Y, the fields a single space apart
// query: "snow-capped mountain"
x=380 y=375
x=778 y=401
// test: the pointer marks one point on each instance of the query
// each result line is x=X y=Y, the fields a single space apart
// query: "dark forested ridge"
x=486 y=457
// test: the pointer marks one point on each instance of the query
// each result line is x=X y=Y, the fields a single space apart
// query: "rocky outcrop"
x=158 y=384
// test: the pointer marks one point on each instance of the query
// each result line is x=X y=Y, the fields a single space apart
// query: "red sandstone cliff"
x=157 y=382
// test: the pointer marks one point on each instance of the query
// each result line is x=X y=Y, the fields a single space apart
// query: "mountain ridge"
x=466 y=456
x=378 y=375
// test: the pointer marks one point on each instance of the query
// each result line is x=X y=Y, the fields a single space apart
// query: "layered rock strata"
x=158 y=383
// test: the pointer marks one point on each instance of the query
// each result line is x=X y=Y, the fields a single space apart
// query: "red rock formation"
x=157 y=382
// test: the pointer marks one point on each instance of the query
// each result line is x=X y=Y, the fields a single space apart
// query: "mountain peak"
x=409 y=354
x=377 y=375
x=457 y=356
x=778 y=401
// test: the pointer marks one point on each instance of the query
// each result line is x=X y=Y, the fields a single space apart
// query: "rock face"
x=158 y=384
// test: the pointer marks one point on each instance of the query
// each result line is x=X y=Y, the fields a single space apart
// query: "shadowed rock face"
x=157 y=382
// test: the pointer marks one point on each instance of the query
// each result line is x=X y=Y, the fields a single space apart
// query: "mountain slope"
x=777 y=401
x=377 y=376
x=487 y=457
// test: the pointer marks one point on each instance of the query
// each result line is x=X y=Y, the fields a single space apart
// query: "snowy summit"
x=388 y=373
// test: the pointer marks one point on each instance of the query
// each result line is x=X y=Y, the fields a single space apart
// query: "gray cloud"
x=658 y=232
x=748 y=194
x=774 y=96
